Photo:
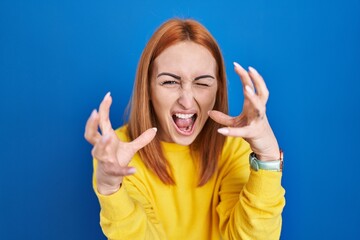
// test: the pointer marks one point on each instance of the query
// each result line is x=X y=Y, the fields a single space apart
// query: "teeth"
x=184 y=116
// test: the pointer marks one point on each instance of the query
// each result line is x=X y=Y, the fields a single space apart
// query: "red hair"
x=142 y=115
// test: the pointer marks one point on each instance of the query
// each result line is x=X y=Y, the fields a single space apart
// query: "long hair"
x=142 y=115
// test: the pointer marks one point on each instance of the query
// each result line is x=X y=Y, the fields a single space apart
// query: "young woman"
x=181 y=168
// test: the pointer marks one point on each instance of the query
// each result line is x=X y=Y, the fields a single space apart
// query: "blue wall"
x=59 y=58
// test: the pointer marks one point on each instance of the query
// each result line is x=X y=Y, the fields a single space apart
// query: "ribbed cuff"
x=116 y=206
x=264 y=183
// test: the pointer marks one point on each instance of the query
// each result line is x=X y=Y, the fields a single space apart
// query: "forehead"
x=186 y=58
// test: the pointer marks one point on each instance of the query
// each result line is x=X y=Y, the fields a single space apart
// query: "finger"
x=249 y=91
x=221 y=118
x=126 y=171
x=243 y=132
x=144 y=139
x=104 y=110
x=107 y=161
x=91 y=128
x=258 y=106
x=244 y=75
x=113 y=169
x=99 y=150
x=259 y=83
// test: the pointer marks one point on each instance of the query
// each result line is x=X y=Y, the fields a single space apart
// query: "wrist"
x=269 y=153
x=268 y=157
x=104 y=189
x=107 y=185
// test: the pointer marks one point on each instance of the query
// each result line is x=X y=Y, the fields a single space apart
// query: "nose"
x=186 y=98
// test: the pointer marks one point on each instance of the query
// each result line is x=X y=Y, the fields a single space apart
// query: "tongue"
x=183 y=123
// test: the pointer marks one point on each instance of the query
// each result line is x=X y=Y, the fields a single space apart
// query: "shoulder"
x=235 y=152
x=235 y=145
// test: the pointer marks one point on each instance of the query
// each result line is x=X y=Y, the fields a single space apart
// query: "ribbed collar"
x=174 y=147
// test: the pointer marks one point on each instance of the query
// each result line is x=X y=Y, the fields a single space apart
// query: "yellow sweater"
x=235 y=204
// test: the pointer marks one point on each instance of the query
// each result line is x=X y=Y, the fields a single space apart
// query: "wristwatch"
x=272 y=165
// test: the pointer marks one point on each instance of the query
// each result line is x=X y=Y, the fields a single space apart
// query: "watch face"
x=253 y=163
x=256 y=165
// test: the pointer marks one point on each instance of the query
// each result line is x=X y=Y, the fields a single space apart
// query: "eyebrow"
x=203 y=76
x=169 y=74
x=178 y=77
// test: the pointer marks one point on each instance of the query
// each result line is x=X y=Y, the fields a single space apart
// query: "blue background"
x=59 y=58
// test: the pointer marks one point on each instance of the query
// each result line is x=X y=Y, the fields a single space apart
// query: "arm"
x=126 y=214
x=121 y=217
x=255 y=212
x=250 y=202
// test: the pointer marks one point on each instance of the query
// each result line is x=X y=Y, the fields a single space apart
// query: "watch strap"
x=272 y=165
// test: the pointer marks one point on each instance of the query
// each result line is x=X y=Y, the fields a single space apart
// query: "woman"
x=174 y=171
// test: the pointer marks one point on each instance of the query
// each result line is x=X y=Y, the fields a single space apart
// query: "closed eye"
x=203 y=84
x=204 y=81
x=169 y=82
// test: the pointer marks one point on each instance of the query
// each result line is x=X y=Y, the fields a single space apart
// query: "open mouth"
x=184 y=123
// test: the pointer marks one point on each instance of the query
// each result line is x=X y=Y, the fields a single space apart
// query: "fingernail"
x=93 y=113
x=237 y=65
x=223 y=130
x=155 y=129
x=253 y=70
x=249 y=90
x=107 y=95
x=131 y=171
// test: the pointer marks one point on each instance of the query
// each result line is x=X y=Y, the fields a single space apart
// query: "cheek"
x=158 y=106
x=207 y=98
x=161 y=104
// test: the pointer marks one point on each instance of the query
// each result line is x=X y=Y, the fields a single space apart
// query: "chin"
x=185 y=140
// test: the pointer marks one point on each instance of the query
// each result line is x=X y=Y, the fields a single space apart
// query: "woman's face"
x=183 y=90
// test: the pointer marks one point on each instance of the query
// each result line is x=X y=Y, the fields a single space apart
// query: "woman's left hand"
x=252 y=124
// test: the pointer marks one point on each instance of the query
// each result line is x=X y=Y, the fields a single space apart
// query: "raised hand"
x=113 y=155
x=252 y=124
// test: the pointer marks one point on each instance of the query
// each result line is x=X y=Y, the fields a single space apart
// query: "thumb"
x=144 y=139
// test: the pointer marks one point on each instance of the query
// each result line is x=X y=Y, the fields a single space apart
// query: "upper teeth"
x=184 y=116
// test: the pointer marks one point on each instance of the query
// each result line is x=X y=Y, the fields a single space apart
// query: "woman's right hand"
x=113 y=155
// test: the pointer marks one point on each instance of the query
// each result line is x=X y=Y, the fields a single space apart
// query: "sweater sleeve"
x=251 y=202
x=122 y=216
